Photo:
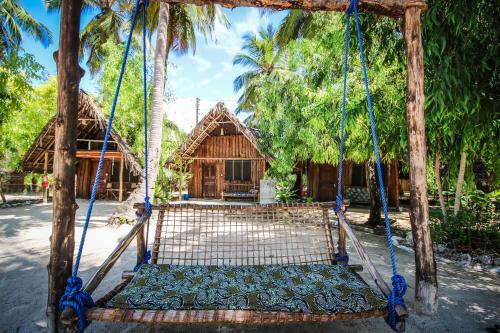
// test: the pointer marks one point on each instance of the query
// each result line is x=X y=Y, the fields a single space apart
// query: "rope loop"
x=396 y=297
x=74 y=297
x=147 y=257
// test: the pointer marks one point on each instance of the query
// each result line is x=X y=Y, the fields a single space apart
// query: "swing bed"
x=247 y=264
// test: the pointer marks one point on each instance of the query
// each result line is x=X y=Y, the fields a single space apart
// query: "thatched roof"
x=91 y=125
x=218 y=115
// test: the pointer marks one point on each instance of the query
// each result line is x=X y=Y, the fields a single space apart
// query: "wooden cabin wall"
x=85 y=177
x=218 y=149
x=227 y=146
x=322 y=181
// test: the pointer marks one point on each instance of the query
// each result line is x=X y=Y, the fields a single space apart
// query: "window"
x=240 y=170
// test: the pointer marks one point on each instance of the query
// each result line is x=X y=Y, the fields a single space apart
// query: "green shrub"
x=475 y=226
x=284 y=189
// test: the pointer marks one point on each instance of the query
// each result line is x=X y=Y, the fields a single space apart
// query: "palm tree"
x=296 y=24
x=108 y=24
x=262 y=56
x=176 y=27
x=14 y=21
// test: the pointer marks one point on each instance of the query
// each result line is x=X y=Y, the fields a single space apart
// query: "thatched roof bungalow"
x=121 y=170
x=224 y=157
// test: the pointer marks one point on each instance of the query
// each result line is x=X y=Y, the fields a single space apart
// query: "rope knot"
x=147 y=206
x=74 y=297
x=353 y=7
x=399 y=285
x=399 y=288
x=145 y=261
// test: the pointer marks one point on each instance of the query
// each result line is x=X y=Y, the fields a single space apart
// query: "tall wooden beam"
x=391 y=8
x=45 y=173
x=425 y=264
x=122 y=167
x=63 y=221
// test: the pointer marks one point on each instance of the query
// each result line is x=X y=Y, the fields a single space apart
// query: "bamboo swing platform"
x=245 y=264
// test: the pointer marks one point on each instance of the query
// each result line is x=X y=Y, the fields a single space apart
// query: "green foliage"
x=24 y=110
x=462 y=82
x=128 y=120
x=475 y=226
x=14 y=21
x=16 y=75
x=261 y=54
x=299 y=116
x=284 y=190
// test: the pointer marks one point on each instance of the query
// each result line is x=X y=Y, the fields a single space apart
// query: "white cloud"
x=226 y=66
x=218 y=76
x=202 y=65
x=183 y=111
x=230 y=40
x=252 y=23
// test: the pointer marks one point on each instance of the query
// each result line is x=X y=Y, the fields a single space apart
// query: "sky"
x=208 y=74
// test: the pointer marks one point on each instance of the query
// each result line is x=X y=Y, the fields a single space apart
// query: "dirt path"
x=469 y=301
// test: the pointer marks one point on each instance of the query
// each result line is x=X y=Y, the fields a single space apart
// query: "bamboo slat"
x=219 y=316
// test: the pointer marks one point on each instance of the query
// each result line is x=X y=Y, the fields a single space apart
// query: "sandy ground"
x=469 y=301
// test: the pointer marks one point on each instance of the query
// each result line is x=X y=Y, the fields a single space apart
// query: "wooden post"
x=45 y=172
x=342 y=243
x=63 y=221
x=425 y=264
x=141 y=242
x=120 y=194
x=396 y=183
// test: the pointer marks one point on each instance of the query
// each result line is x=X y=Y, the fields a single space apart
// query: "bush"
x=475 y=226
x=284 y=189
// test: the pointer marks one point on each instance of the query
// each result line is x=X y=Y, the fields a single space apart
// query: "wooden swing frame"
x=69 y=75
x=103 y=313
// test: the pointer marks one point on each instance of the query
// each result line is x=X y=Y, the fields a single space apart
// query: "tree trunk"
x=425 y=264
x=460 y=183
x=437 y=175
x=156 y=122
x=375 y=199
x=64 y=205
x=2 y=194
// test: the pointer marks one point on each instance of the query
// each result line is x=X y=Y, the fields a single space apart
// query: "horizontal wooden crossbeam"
x=391 y=8
x=96 y=154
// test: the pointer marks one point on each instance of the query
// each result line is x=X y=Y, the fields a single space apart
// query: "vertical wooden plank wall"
x=217 y=149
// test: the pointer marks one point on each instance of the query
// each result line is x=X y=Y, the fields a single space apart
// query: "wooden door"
x=83 y=179
x=327 y=182
x=209 y=180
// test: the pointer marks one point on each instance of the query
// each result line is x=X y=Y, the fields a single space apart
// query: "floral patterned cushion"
x=315 y=289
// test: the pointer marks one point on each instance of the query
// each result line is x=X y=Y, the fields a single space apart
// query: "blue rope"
x=77 y=299
x=399 y=286
x=145 y=261
x=340 y=258
x=74 y=296
x=147 y=204
x=338 y=205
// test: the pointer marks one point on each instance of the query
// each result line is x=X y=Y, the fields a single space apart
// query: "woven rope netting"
x=243 y=235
